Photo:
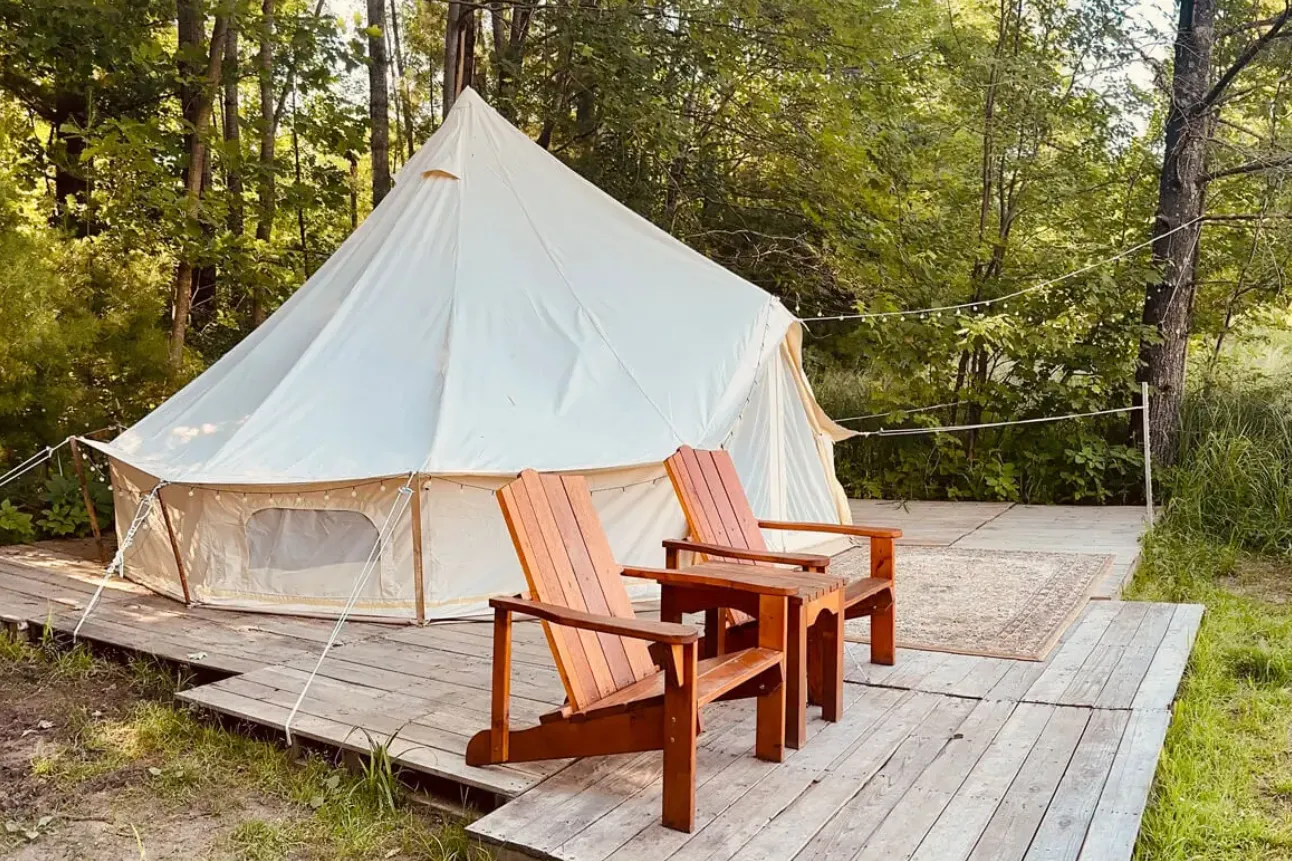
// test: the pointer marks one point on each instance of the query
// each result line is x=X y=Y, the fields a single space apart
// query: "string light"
x=985 y=303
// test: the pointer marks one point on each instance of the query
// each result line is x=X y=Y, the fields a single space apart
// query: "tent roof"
x=495 y=312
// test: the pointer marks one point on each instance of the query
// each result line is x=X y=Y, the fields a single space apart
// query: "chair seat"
x=715 y=677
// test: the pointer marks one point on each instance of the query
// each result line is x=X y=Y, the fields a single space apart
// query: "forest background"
x=171 y=170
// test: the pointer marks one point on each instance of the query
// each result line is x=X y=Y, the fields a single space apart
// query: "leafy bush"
x=1075 y=461
x=65 y=514
x=15 y=525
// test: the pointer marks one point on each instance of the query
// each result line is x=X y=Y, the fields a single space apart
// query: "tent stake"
x=419 y=594
x=174 y=546
x=85 y=497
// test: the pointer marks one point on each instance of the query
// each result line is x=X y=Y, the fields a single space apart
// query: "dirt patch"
x=111 y=812
x=39 y=710
x=99 y=763
x=1265 y=580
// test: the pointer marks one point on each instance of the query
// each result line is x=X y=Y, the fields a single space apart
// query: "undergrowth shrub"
x=1073 y=461
x=1233 y=480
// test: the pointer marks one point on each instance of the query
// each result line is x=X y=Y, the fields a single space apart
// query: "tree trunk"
x=509 y=52
x=402 y=89
x=70 y=117
x=378 y=101
x=300 y=204
x=354 y=189
x=233 y=132
x=204 y=100
x=267 y=190
x=1168 y=302
x=191 y=34
x=459 y=51
x=451 y=39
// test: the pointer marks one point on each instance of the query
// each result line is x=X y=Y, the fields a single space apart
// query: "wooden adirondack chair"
x=722 y=525
x=619 y=701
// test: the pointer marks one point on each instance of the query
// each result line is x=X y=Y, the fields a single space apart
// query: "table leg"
x=796 y=687
x=668 y=611
x=816 y=661
x=830 y=627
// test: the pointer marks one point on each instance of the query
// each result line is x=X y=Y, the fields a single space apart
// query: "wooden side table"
x=817 y=599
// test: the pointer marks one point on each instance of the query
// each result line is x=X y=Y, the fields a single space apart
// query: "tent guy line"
x=984 y=303
x=402 y=499
x=119 y=559
x=32 y=462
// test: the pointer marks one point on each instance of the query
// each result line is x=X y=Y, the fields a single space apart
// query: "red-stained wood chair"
x=722 y=525
x=619 y=701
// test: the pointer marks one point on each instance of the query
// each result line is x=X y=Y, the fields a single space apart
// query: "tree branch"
x=1263 y=163
x=1245 y=58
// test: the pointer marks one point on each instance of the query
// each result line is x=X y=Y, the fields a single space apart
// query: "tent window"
x=308 y=552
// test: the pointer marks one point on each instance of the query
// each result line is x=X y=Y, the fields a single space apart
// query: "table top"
x=806 y=585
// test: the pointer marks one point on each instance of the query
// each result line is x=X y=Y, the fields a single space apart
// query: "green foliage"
x=1081 y=460
x=64 y=511
x=1224 y=780
x=15 y=526
x=843 y=155
x=378 y=785
x=1233 y=481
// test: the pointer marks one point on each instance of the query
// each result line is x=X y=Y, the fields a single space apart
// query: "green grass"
x=1224 y=784
x=1223 y=788
x=1233 y=483
x=167 y=754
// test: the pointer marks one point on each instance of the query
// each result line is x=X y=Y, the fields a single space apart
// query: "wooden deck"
x=941 y=756
x=1113 y=529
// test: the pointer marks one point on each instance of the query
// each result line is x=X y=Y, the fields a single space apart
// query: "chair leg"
x=883 y=636
x=680 y=726
x=883 y=639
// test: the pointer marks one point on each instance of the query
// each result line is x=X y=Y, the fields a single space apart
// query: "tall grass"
x=1232 y=482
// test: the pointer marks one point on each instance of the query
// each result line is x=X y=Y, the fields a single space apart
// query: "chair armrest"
x=836 y=528
x=759 y=581
x=639 y=629
x=802 y=560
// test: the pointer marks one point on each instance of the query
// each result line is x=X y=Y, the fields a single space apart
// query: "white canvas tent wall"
x=495 y=312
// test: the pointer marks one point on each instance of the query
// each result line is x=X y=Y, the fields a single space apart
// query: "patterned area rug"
x=1000 y=603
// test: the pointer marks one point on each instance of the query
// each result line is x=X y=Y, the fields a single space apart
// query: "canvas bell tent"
x=495 y=312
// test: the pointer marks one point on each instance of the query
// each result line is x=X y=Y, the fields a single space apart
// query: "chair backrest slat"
x=713 y=500
x=567 y=561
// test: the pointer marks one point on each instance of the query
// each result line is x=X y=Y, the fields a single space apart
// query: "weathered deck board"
x=939 y=758
x=1113 y=529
